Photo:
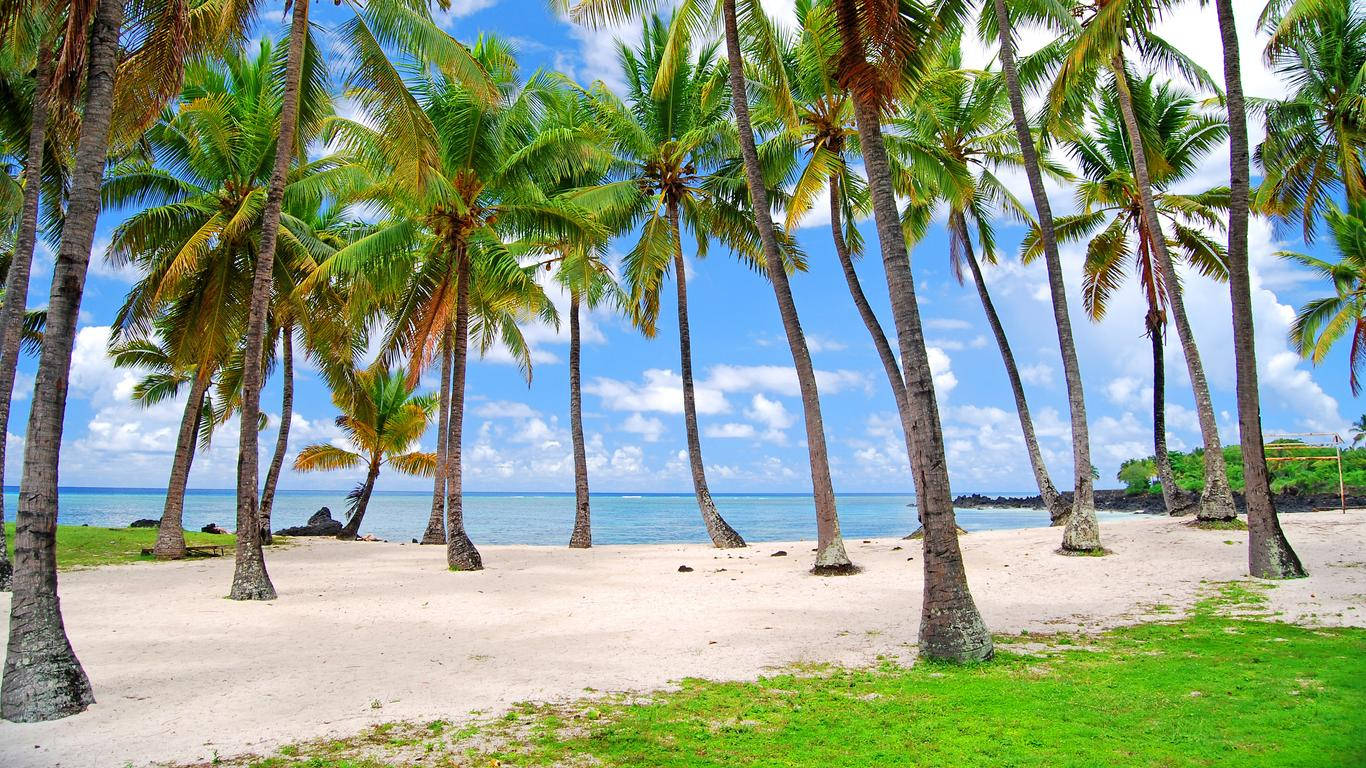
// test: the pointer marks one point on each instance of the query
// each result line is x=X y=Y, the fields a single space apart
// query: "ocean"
x=544 y=518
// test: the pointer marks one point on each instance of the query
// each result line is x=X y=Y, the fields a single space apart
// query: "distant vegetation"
x=1140 y=475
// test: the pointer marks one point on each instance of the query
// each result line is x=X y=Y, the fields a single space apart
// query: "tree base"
x=581 y=538
x=44 y=685
x=250 y=581
x=1094 y=552
x=919 y=533
x=845 y=569
x=461 y=554
x=1217 y=525
x=957 y=636
x=169 y=554
x=433 y=540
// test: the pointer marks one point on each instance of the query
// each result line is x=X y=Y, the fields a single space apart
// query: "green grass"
x=80 y=546
x=1222 y=687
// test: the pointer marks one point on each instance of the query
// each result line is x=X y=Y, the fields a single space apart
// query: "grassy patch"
x=80 y=546
x=1219 y=525
x=1213 y=689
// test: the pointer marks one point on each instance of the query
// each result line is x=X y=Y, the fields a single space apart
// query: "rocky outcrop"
x=214 y=528
x=320 y=524
x=145 y=522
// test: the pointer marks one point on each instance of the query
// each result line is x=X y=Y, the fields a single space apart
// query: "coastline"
x=1151 y=504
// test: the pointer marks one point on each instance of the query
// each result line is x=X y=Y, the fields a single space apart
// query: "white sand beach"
x=365 y=633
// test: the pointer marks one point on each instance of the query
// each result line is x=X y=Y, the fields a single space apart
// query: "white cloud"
x=729 y=430
x=1040 y=374
x=648 y=427
x=941 y=370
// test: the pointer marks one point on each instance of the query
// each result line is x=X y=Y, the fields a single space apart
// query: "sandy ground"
x=366 y=633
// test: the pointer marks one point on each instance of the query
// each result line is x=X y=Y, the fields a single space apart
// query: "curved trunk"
x=582 y=536
x=870 y=321
x=170 y=543
x=1084 y=533
x=43 y=679
x=352 y=527
x=1171 y=496
x=722 y=535
x=951 y=628
x=831 y=557
x=250 y=580
x=436 y=523
x=1269 y=555
x=1216 y=499
x=1057 y=509
x=16 y=281
x=281 y=439
x=460 y=552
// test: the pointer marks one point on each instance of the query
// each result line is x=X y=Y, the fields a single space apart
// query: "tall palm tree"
x=455 y=214
x=1269 y=554
x=956 y=134
x=1110 y=203
x=1316 y=136
x=1321 y=323
x=196 y=239
x=383 y=420
x=1096 y=46
x=1358 y=430
x=1082 y=532
x=668 y=148
x=880 y=42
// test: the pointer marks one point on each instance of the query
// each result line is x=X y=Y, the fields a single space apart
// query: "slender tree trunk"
x=1057 y=509
x=282 y=438
x=460 y=552
x=722 y=535
x=951 y=629
x=250 y=580
x=436 y=523
x=831 y=557
x=582 y=536
x=352 y=527
x=16 y=281
x=170 y=543
x=1269 y=555
x=1171 y=499
x=1083 y=531
x=1216 y=499
x=43 y=680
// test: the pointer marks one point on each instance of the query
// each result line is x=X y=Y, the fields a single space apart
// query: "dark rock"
x=684 y=569
x=214 y=528
x=145 y=522
x=779 y=553
x=319 y=524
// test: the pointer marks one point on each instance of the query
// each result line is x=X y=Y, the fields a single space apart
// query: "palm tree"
x=383 y=420
x=1358 y=430
x=195 y=242
x=668 y=147
x=1096 y=46
x=1315 y=137
x=455 y=213
x=892 y=35
x=955 y=134
x=1269 y=554
x=1323 y=322
x=1111 y=203
x=1082 y=532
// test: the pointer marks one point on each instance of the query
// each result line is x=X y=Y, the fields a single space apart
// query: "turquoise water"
x=544 y=518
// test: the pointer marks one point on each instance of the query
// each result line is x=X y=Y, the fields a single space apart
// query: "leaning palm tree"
x=1321 y=323
x=1094 y=53
x=1315 y=141
x=382 y=419
x=667 y=148
x=881 y=42
x=955 y=136
x=1112 y=220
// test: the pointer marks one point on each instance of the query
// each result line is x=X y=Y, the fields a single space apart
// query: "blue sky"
x=517 y=436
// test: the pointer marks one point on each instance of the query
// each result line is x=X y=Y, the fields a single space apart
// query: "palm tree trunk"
x=250 y=580
x=951 y=629
x=170 y=543
x=352 y=527
x=43 y=680
x=1057 y=509
x=436 y=523
x=831 y=557
x=582 y=536
x=1216 y=499
x=460 y=552
x=870 y=321
x=16 y=281
x=1269 y=555
x=1083 y=531
x=1170 y=494
x=282 y=438
x=722 y=535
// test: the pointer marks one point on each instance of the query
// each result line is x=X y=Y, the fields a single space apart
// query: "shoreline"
x=1151 y=504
